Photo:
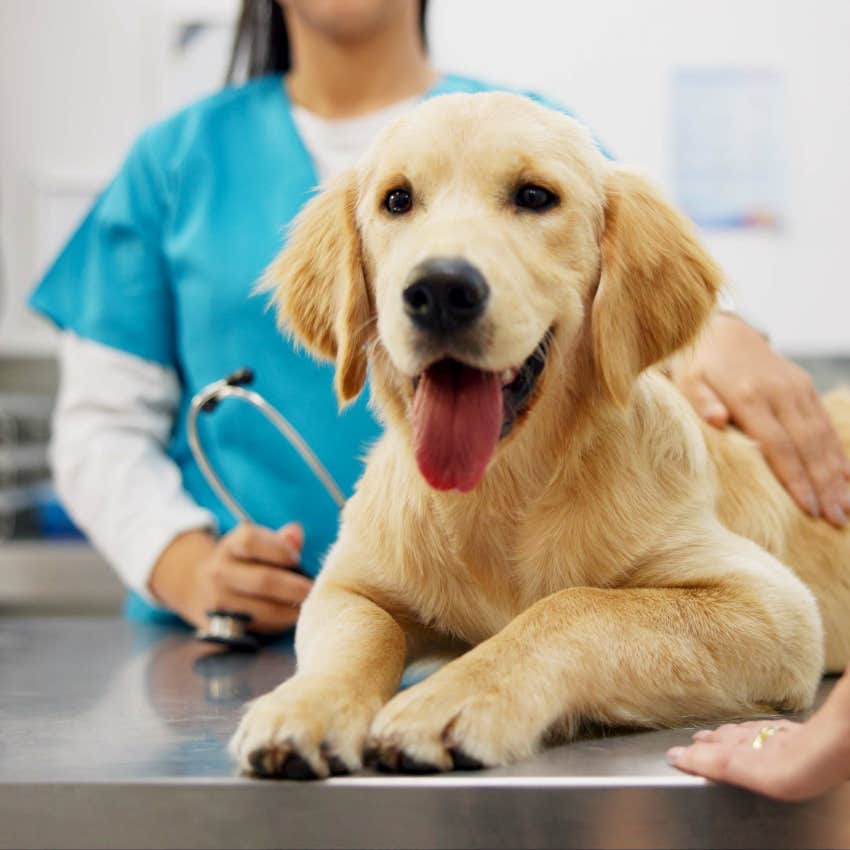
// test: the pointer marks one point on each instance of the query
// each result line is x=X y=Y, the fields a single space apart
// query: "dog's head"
x=482 y=234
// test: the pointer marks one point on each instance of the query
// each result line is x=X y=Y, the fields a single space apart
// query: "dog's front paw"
x=304 y=729
x=446 y=723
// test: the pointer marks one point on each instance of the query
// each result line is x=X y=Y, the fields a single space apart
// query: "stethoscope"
x=225 y=627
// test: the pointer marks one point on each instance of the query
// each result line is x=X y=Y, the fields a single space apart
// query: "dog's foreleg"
x=350 y=659
x=635 y=656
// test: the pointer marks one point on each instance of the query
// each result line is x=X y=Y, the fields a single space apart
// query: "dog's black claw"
x=295 y=767
x=372 y=757
x=408 y=764
x=387 y=763
x=337 y=766
x=257 y=760
x=387 y=760
x=464 y=761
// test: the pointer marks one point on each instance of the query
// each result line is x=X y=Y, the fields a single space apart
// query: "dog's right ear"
x=319 y=285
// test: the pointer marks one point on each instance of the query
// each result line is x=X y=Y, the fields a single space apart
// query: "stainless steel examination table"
x=113 y=735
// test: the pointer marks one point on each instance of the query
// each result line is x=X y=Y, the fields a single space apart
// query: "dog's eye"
x=398 y=201
x=531 y=197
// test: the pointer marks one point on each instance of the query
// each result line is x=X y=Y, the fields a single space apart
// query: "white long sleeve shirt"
x=115 y=411
x=111 y=427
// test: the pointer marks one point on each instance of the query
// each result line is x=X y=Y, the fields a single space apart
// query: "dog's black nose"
x=445 y=294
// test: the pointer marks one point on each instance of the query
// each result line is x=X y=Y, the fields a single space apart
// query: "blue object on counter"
x=53 y=521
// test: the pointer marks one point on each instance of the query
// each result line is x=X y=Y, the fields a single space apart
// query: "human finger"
x=758 y=420
x=741 y=732
x=757 y=770
x=266 y=617
x=294 y=533
x=807 y=422
x=263 y=582
x=256 y=543
x=719 y=762
x=702 y=758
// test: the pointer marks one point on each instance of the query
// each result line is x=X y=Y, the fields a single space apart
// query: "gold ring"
x=764 y=733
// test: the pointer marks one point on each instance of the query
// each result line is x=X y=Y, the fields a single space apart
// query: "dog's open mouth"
x=460 y=413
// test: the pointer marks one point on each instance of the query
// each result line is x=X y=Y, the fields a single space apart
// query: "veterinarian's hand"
x=797 y=762
x=733 y=375
x=247 y=570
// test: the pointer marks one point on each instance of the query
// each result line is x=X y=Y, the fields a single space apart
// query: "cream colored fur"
x=620 y=562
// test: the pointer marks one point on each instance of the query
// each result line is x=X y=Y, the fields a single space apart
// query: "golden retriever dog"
x=543 y=503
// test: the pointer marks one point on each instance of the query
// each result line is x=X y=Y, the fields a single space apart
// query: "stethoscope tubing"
x=233 y=387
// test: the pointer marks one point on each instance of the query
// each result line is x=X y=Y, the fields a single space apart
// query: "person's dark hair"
x=261 y=42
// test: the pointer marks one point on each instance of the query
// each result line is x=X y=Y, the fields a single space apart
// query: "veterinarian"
x=153 y=298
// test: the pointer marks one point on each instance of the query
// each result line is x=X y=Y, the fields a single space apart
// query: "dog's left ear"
x=319 y=285
x=657 y=285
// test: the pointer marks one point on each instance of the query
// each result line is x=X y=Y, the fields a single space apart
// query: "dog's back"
x=753 y=503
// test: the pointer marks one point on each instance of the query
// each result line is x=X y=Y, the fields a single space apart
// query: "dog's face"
x=480 y=220
x=479 y=229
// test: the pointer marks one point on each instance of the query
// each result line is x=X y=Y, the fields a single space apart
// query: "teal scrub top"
x=164 y=267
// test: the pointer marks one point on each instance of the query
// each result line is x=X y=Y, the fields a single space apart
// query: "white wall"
x=612 y=62
x=78 y=78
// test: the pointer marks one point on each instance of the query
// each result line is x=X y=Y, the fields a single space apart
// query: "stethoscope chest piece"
x=230 y=629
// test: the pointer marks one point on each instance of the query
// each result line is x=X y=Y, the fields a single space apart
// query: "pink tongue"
x=457 y=417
